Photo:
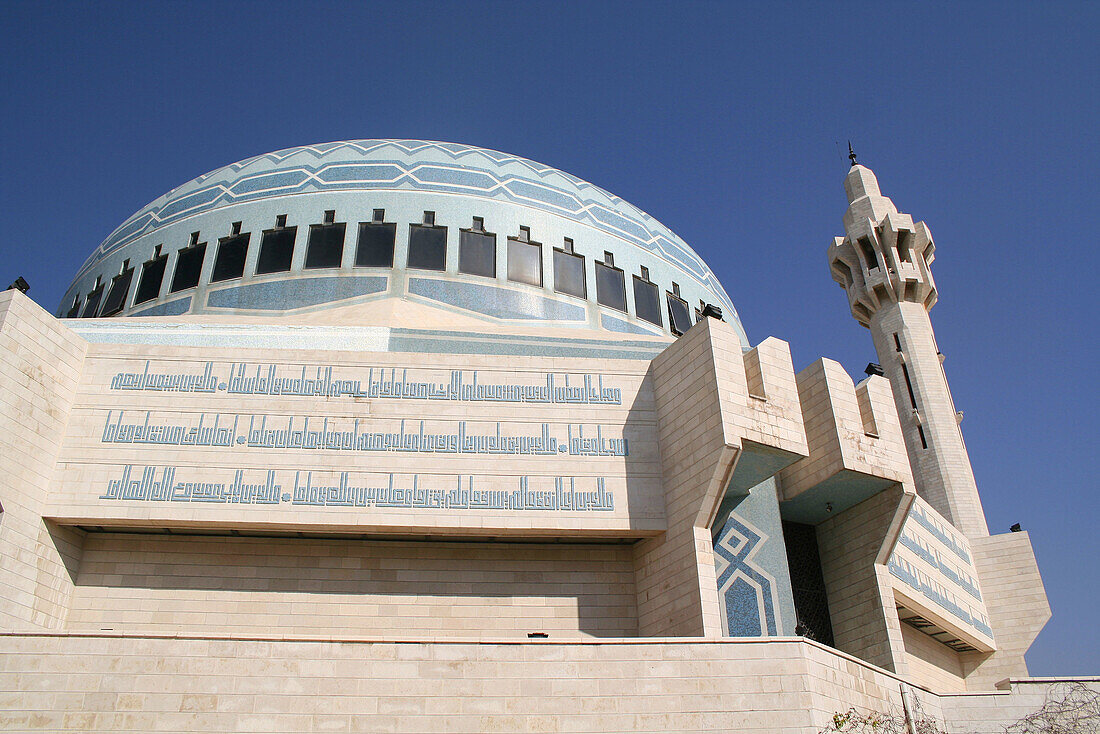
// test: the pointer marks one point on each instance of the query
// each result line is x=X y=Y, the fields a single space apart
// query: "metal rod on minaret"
x=851 y=153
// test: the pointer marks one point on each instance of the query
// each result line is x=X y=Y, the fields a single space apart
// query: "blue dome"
x=375 y=173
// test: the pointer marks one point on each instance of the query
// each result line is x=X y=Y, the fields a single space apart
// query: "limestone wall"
x=991 y=712
x=40 y=364
x=196 y=584
x=113 y=683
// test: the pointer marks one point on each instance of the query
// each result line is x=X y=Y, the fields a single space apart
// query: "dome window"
x=679 y=317
x=524 y=259
x=152 y=276
x=91 y=306
x=376 y=240
x=427 y=245
x=477 y=250
x=647 y=299
x=232 y=254
x=120 y=286
x=569 y=271
x=610 y=284
x=276 y=248
x=74 y=311
x=326 y=243
x=188 y=265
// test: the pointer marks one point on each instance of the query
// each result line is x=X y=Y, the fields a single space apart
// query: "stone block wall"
x=40 y=364
x=1017 y=604
x=991 y=712
x=941 y=465
x=861 y=604
x=674 y=572
x=195 y=584
x=212 y=684
x=712 y=400
x=849 y=428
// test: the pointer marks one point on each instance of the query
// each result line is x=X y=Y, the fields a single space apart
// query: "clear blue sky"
x=726 y=121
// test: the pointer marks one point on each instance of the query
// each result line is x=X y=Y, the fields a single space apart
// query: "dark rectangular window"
x=92 y=304
x=868 y=253
x=375 y=248
x=610 y=286
x=152 y=275
x=188 y=268
x=679 y=317
x=116 y=297
x=477 y=253
x=276 y=250
x=232 y=252
x=524 y=262
x=569 y=274
x=903 y=246
x=427 y=246
x=647 y=301
x=75 y=310
x=326 y=245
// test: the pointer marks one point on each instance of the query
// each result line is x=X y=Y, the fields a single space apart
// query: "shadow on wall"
x=194 y=584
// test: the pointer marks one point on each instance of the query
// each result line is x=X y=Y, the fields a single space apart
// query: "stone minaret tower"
x=883 y=264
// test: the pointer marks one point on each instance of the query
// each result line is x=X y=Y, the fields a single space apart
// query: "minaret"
x=883 y=264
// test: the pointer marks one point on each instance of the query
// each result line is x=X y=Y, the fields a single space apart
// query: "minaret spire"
x=851 y=153
x=883 y=263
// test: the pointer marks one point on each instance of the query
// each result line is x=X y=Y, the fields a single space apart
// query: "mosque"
x=401 y=435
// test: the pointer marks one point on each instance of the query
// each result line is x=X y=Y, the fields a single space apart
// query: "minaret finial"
x=851 y=153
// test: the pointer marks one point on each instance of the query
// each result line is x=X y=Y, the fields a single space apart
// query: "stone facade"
x=374 y=510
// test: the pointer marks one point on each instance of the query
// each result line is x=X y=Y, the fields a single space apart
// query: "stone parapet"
x=855 y=444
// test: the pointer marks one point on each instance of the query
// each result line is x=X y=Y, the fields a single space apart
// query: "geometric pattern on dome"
x=417 y=165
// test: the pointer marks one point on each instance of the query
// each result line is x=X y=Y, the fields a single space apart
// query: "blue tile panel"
x=754 y=584
x=413 y=165
x=494 y=301
x=919 y=582
x=172 y=308
x=284 y=295
x=743 y=587
x=364 y=339
x=340 y=381
x=932 y=558
x=941 y=533
x=613 y=324
x=272 y=487
x=259 y=431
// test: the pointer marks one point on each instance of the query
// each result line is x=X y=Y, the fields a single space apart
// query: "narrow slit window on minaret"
x=897 y=343
x=909 y=386
x=923 y=441
x=868 y=253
